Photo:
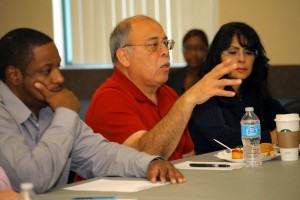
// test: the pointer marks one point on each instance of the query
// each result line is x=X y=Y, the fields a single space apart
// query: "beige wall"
x=35 y=14
x=276 y=21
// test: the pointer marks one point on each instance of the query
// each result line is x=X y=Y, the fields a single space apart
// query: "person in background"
x=42 y=136
x=6 y=193
x=194 y=47
x=219 y=117
x=134 y=107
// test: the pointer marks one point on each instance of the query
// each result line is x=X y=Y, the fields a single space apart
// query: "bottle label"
x=251 y=130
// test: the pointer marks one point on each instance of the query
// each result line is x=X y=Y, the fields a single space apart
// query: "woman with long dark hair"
x=219 y=118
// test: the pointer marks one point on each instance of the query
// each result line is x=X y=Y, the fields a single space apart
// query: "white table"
x=275 y=180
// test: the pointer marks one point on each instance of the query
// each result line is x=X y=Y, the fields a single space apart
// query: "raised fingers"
x=222 y=69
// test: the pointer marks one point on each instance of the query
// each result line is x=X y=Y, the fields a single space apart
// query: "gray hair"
x=119 y=36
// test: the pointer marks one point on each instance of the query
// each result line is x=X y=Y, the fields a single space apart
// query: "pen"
x=208 y=165
x=94 y=198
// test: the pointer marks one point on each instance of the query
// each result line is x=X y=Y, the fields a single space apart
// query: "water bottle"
x=250 y=127
x=27 y=192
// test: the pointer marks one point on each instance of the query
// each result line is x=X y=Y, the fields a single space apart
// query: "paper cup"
x=288 y=139
x=287 y=122
x=289 y=154
x=289 y=145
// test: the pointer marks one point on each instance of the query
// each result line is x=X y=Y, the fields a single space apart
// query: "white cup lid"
x=249 y=109
x=287 y=117
x=26 y=186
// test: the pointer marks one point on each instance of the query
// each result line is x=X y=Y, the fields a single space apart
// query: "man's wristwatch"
x=158 y=158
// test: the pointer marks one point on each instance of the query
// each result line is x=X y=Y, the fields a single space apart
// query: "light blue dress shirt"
x=43 y=150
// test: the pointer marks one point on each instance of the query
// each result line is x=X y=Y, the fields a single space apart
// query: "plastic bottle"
x=250 y=127
x=27 y=192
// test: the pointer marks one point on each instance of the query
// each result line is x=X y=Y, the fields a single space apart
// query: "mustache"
x=167 y=62
x=57 y=88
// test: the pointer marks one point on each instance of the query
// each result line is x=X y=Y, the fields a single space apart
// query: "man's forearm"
x=164 y=137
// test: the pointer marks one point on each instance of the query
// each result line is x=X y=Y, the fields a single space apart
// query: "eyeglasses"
x=248 y=53
x=155 y=46
x=196 y=49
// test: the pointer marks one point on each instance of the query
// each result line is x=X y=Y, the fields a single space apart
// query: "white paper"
x=106 y=185
x=186 y=165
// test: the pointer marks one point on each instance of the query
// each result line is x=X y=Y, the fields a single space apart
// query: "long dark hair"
x=255 y=86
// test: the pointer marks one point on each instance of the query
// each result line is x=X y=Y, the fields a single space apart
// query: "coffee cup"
x=287 y=122
x=287 y=126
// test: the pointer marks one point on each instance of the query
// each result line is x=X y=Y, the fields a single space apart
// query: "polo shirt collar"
x=124 y=81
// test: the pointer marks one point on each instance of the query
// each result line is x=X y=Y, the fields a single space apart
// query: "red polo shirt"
x=118 y=109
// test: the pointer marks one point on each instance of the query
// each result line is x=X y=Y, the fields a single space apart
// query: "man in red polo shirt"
x=134 y=107
x=123 y=114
